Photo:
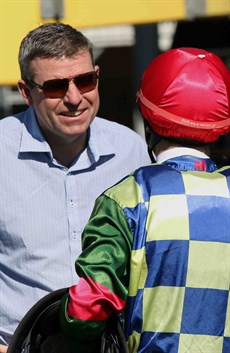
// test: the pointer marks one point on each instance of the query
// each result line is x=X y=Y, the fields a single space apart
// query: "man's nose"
x=73 y=95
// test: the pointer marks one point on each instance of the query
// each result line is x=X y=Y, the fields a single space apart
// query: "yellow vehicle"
x=18 y=17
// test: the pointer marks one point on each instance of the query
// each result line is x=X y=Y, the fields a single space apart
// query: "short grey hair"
x=51 y=40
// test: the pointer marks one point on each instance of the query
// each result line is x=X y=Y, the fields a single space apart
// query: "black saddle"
x=39 y=331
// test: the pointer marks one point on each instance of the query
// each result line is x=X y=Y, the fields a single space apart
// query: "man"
x=157 y=245
x=56 y=158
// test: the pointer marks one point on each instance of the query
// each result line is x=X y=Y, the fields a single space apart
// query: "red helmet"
x=185 y=93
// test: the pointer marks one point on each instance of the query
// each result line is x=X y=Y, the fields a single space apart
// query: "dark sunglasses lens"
x=56 y=88
x=86 y=82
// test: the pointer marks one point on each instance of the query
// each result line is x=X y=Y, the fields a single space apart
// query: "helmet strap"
x=152 y=139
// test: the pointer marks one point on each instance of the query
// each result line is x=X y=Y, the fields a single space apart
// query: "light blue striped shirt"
x=44 y=206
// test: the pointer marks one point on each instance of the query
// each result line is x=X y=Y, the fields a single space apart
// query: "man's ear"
x=97 y=68
x=25 y=92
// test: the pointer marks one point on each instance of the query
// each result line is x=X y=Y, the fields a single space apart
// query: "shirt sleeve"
x=103 y=268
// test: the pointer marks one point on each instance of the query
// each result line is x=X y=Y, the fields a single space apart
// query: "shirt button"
x=74 y=234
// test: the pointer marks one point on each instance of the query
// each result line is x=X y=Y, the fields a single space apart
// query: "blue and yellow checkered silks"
x=178 y=295
x=157 y=245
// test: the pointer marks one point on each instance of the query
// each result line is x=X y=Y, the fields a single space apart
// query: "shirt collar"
x=99 y=140
x=32 y=138
x=179 y=151
x=99 y=143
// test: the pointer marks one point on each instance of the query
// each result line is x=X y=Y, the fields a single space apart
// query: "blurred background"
x=127 y=35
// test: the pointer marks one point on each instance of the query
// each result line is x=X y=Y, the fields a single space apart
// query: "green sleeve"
x=104 y=262
x=106 y=244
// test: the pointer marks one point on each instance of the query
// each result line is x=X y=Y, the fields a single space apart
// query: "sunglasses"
x=57 y=88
